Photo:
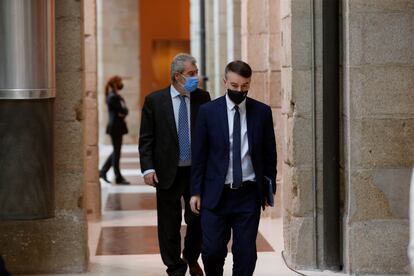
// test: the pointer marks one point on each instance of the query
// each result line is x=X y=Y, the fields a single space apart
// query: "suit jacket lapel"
x=169 y=111
x=250 y=124
x=224 y=123
x=193 y=109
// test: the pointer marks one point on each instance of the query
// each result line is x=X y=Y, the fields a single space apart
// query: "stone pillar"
x=118 y=54
x=195 y=30
x=91 y=151
x=261 y=48
x=298 y=136
x=220 y=46
x=233 y=30
x=378 y=122
x=210 y=40
x=59 y=244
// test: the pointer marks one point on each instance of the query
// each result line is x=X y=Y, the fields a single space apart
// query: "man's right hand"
x=151 y=179
x=195 y=204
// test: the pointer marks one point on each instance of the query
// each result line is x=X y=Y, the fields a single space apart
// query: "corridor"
x=125 y=241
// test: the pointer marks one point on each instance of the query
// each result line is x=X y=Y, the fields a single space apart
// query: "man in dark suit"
x=167 y=121
x=234 y=160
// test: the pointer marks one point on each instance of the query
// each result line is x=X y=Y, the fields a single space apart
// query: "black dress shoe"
x=194 y=268
x=122 y=182
x=103 y=176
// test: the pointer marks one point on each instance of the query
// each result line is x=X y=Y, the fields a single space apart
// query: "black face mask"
x=237 y=96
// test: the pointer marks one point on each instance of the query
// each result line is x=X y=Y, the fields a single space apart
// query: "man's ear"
x=176 y=76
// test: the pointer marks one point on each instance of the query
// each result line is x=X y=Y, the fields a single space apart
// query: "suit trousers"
x=113 y=159
x=238 y=210
x=169 y=214
x=3 y=271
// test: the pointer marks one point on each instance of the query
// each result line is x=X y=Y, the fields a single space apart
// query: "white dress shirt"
x=246 y=161
x=176 y=101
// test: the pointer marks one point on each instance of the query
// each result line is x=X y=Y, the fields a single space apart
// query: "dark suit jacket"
x=211 y=149
x=117 y=112
x=158 y=142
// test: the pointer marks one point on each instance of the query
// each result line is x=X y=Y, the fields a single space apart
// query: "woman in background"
x=116 y=128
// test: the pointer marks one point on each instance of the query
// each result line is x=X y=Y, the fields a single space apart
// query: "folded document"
x=269 y=191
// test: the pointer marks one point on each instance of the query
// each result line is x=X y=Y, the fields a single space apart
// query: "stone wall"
x=297 y=113
x=261 y=48
x=58 y=244
x=90 y=111
x=378 y=123
x=118 y=54
x=220 y=46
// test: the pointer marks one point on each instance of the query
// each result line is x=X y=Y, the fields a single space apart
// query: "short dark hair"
x=240 y=68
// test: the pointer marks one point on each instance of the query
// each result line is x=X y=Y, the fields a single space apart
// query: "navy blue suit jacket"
x=211 y=149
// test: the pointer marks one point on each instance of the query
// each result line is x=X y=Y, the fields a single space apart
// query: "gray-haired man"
x=167 y=121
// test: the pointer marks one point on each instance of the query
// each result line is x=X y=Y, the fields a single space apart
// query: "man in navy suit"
x=234 y=157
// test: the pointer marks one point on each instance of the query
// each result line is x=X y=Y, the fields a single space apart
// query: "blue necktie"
x=237 y=167
x=183 y=131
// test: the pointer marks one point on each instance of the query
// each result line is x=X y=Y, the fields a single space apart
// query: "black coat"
x=158 y=142
x=117 y=112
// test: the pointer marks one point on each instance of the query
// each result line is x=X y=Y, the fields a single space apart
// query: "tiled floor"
x=125 y=241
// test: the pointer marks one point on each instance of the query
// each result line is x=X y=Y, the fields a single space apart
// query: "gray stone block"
x=297 y=191
x=299 y=241
x=301 y=42
x=69 y=190
x=379 y=194
x=380 y=38
x=68 y=51
x=69 y=146
x=68 y=96
x=382 y=143
x=382 y=92
x=366 y=200
x=43 y=246
x=378 y=247
x=299 y=149
x=382 y=5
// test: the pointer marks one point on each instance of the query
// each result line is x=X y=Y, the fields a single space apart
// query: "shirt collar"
x=174 y=93
x=230 y=104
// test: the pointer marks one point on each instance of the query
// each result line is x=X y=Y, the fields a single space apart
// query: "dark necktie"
x=183 y=131
x=237 y=167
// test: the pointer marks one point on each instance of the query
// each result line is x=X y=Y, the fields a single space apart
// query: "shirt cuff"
x=148 y=172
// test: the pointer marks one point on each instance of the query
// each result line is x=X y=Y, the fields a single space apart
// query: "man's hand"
x=195 y=203
x=151 y=179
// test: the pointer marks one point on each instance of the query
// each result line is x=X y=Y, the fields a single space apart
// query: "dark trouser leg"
x=106 y=166
x=3 y=270
x=216 y=235
x=169 y=225
x=192 y=241
x=116 y=156
x=245 y=225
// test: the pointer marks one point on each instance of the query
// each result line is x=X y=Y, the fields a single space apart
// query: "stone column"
x=210 y=40
x=298 y=136
x=378 y=122
x=261 y=48
x=195 y=30
x=59 y=244
x=220 y=46
x=91 y=151
x=233 y=30
x=118 y=54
